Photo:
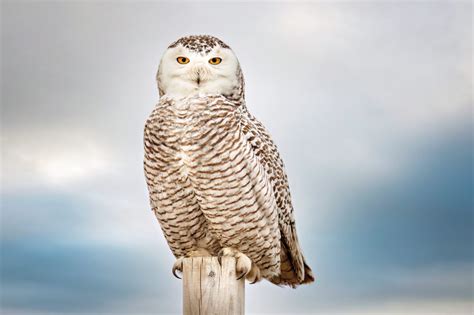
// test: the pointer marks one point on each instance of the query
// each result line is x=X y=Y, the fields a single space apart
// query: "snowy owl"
x=217 y=183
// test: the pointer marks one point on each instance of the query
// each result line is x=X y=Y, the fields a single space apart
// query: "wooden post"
x=212 y=288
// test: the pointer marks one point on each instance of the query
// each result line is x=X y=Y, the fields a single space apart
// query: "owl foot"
x=243 y=264
x=178 y=264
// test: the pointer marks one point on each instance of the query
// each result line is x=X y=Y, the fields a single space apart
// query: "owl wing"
x=294 y=269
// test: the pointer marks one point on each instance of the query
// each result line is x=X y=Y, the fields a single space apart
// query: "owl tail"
x=293 y=272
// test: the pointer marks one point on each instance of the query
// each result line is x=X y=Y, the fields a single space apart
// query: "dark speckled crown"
x=199 y=43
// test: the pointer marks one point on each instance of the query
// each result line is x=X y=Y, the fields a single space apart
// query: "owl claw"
x=174 y=274
x=243 y=264
x=241 y=276
x=177 y=266
x=254 y=275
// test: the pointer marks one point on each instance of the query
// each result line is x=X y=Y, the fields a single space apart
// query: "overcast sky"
x=370 y=104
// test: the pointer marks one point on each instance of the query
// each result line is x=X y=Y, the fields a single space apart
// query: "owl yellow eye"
x=182 y=60
x=215 y=61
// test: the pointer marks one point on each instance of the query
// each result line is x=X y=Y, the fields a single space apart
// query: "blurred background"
x=370 y=104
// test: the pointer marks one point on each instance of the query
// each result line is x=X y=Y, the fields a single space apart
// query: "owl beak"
x=199 y=73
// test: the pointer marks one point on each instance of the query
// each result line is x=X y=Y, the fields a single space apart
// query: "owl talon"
x=243 y=264
x=175 y=275
x=241 y=276
x=254 y=275
x=177 y=266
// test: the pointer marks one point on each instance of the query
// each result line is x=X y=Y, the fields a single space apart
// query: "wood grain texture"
x=212 y=288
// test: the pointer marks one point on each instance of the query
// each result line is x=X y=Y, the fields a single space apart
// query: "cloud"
x=53 y=158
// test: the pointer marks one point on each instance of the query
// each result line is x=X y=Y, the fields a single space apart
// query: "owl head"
x=200 y=65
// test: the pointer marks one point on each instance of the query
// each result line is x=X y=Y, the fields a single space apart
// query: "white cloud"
x=62 y=168
x=52 y=157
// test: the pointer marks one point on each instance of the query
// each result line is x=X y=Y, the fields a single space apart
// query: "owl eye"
x=215 y=61
x=182 y=60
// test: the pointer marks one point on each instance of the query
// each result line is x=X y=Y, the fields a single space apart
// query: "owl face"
x=198 y=65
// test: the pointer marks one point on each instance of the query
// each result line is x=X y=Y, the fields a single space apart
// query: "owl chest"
x=190 y=131
x=194 y=145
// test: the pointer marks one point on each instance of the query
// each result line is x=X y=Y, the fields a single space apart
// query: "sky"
x=369 y=103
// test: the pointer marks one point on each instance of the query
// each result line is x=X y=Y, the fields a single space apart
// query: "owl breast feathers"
x=216 y=181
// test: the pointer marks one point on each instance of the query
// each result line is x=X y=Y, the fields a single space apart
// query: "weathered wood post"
x=212 y=288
